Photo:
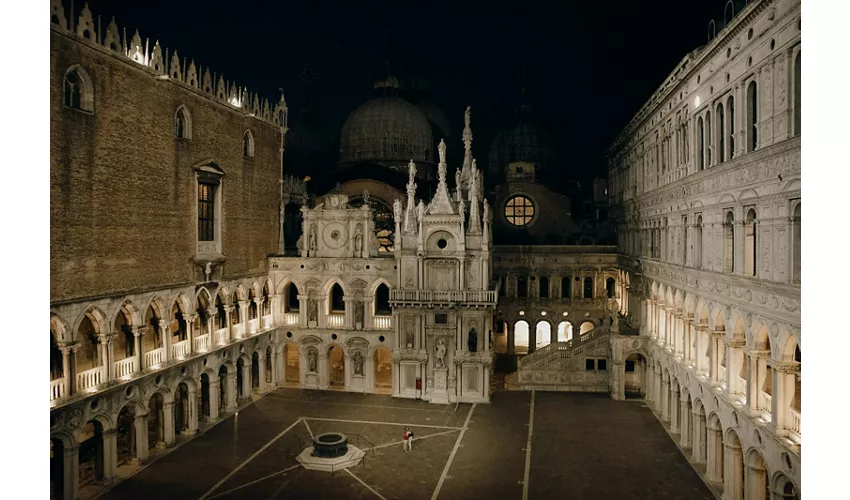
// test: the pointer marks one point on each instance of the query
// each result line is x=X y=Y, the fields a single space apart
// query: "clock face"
x=335 y=235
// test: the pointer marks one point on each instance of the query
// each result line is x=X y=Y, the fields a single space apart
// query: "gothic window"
x=796 y=247
x=752 y=117
x=701 y=139
x=519 y=210
x=182 y=123
x=56 y=371
x=521 y=336
x=610 y=287
x=209 y=209
x=206 y=211
x=698 y=243
x=797 y=76
x=730 y=110
x=685 y=240
x=248 y=144
x=77 y=90
x=382 y=300
x=291 y=301
x=721 y=134
x=750 y=244
x=588 y=288
x=565 y=287
x=708 y=141
x=337 y=302
x=729 y=243
x=544 y=287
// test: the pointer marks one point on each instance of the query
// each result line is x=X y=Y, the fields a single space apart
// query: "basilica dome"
x=386 y=129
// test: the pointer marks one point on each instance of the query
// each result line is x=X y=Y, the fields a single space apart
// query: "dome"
x=435 y=115
x=527 y=141
x=386 y=129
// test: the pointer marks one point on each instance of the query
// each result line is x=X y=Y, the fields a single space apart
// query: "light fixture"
x=522 y=313
x=543 y=313
x=566 y=313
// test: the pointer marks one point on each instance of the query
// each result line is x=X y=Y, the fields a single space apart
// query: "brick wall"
x=122 y=188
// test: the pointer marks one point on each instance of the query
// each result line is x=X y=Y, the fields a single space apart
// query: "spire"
x=458 y=185
x=410 y=213
x=441 y=204
x=467 y=141
x=474 y=217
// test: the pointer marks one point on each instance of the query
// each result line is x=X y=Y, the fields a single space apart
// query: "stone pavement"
x=585 y=446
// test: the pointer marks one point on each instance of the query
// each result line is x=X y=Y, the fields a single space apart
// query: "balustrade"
x=221 y=336
x=795 y=421
x=154 y=357
x=90 y=378
x=443 y=295
x=253 y=326
x=267 y=321
x=180 y=349
x=764 y=401
x=202 y=343
x=290 y=319
x=382 y=322
x=58 y=389
x=124 y=367
x=239 y=330
x=336 y=320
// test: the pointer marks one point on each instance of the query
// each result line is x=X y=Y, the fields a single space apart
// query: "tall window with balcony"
x=209 y=210
x=521 y=287
x=730 y=112
x=729 y=243
x=337 y=304
x=684 y=240
x=721 y=134
x=708 y=141
x=752 y=117
x=588 y=288
x=698 y=243
x=750 y=243
x=77 y=90
x=544 y=287
x=611 y=288
x=796 y=247
x=382 y=301
x=565 y=287
x=701 y=139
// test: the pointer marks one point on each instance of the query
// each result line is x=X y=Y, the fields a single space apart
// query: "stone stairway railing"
x=562 y=350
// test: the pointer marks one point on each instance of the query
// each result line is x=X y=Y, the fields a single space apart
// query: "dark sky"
x=590 y=65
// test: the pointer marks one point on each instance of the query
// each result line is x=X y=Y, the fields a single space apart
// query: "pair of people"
x=408 y=439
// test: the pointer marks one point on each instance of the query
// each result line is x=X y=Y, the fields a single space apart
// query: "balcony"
x=382 y=323
x=220 y=336
x=124 y=367
x=290 y=319
x=180 y=350
x=267 y=321
x=466 y=297
x=155 y=357
x=202 y=343
x=336 y=320
x=58 y=389
x=764 y=402
x=253 y=326
x=238 y=330
x=90 y=378
x=794 y=422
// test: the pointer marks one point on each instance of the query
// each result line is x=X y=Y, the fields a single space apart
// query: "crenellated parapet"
x=163 y=64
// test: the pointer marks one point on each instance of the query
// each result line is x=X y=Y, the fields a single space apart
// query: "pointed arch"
x=98 y=320
x=240 y=293
x=78 y=91
x=59 y=328
x=183 y=123
x=248 y=144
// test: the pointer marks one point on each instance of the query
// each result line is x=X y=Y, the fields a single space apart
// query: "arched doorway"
x=521 y=337
x=336 y=367
x=156 y=420
x=543 y=334
x=757 y=479
x=255 y=372
x=700 y=435
x=292 y=370
x=92 y=466
x=240 y=380
x=57 y=469
x=181 y=409
x=565 y=331
x=586 y=327
x=734 y=479
x=222 y=388
x=204 y=400
x=383 y=370
x=714 y=449
x=635 y=373
x=126 y=435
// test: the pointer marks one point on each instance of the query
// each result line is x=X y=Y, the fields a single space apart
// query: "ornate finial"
x=441 y=203
x=442 y=150
x=365 y=198
x=458 y=185
x=411 y=172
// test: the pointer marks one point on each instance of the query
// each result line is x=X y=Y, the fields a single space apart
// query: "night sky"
x=589 y=66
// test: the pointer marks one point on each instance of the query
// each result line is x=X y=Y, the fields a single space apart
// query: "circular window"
x=750 y=34
x=442 y=243
x=333 y=336
x=289 y=335
x=519 y=210
x=381 y=338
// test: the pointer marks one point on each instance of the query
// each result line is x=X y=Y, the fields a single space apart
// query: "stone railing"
x=124 y=367
x=238 y=330
x=721 y=374
x=290 y=319
x=89 y=378
x=180 y=349
x=382 y=322
x=267 y=321
x=794 y=423
x=220 y=336
x=154 y=357
x=446 y=296
x=560 y=350
x=202 y=343
x=764 y=401
x=58 y=389
x=253 y=326
x=336 y=320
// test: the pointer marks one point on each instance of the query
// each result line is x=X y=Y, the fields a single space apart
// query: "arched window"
x=248 y=144
x=565 y=287
x=685 y=240
x=797 y=76
x=182 y=123
x=521 y=336
x=588 y=288
x=610 y=287
x=721 y=135
x=565 y=331
x=698 y=243
x=77 y=90
x=337 y=302
x=796 y=247
x=730 y=111
x=585 y=327
x=752 y=117
x=728 y=13
x=382 y=300
x=750 y=244
x=521 y=287
x=701 y=139
x=729 y=243
x=291 y=301
x=543 y=334
x=708 y=141
x=544 y=287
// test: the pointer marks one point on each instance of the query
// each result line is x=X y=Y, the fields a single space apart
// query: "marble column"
x=684 y=427
x=191 y=407
x=619 y=380
x=137 y=346
x=674 y=408
x=71 y=473
x=697 y=433
x=215 y=392
x=140 y=429
x=261 y=369
x=168 y=423
x=733 y=473
x=110 y=455
x=665 y=397
x=231 y=392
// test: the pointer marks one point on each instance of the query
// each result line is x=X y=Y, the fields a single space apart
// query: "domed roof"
x=386 y=128
x=527 y=141
x=435 y=115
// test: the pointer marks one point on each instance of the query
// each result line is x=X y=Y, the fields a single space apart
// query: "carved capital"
x=789 y=367
x=734 y=343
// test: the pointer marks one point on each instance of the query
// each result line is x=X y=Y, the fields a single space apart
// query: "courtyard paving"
x=584 y=446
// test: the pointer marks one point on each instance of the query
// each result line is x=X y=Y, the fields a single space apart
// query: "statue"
x=312 y=310
x=313 y=244
x=358 y=312
x=207 y=271
x=440 y=354
x=311 y=360
x=397 y=210
x=472 y=343
x=420 y=209
x=358 y=363
x=358 y=241
x=409 y=333
x=365 y=198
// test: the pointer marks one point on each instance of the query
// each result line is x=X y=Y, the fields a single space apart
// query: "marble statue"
x=440 y=354
x=358 y=241
x=358 y=312
x=397 y=210
x=409 y=333
x=312 y=357
x=358 y=363
x=312 y=310
x=313 y=244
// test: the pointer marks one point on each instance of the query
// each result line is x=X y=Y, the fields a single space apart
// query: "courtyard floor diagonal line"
x=308 y=427
x=247 y=460
x=366 y=485
x=527 y=473
x=284 y=471
x=384 y=423
x=396 y=443
x=454 y=451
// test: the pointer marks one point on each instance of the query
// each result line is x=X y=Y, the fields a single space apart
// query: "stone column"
x=650 y=383
x=243 y=318
x=192 y=403
x=783 y=386
x=137 y=345
x=230 y=404
x=259 y=302
x=322 y=368
x=619 y=381
x=190 y=331
x=752 y=388
x=110 y=455
x=103 y=354
x=71 y=472
x=733 y=475
x=712 y=472
x=698 y=444
x=276 y=308
x=509 y=328
x=347 y=370
x=303 y=304
x=261 y=368
x=349 y=312
x=164 y=327
x=674 y=410
x=247 y=384
x=168 y=423
x=280 y=365
x=215 y=390
x=665 y=397
x=739 y=235
x=685 y=430
x=658 y=390
x=228 y=321
x=140 y=428
x=68 y=370
x=716 y=339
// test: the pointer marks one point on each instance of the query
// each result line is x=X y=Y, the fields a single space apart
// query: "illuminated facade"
x=705 y=192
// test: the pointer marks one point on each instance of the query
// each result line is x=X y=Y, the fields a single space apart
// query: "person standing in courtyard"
x=408 y=440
